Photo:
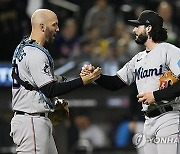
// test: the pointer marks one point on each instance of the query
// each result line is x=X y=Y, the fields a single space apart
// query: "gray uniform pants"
x=162 y=134
x=32 y=135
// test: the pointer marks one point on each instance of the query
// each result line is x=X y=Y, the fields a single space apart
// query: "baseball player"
x=161 y=128
x=34 y=84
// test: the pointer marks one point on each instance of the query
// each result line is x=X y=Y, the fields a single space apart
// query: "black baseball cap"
x=148 y=17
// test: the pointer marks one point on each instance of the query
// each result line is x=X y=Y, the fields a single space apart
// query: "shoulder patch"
x=46 y=69
x=178 y=63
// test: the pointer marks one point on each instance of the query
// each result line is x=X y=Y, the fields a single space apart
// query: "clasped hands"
x=89 y=73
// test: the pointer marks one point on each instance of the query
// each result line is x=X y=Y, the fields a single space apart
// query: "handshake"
x=89 y=73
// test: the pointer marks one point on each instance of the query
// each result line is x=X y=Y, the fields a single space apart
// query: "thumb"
x=140 y=95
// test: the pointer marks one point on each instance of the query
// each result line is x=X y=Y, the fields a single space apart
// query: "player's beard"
x=49 y=36
x=141 y=39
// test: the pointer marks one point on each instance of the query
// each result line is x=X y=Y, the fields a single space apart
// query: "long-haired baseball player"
x=34 y=84
x=161 y=128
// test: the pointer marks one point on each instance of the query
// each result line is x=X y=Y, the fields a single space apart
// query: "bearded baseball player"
x=35 y=86
x=161 y=128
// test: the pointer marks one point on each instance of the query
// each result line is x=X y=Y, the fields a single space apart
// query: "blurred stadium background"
x=91 y=31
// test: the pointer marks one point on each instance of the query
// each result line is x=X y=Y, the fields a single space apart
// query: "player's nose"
x=57 y=29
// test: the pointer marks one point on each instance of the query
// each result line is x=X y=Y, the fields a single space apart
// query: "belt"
x=157 y=111
x=32 y=114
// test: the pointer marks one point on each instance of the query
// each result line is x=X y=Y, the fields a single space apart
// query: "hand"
x=146 y=98
x=87 y=69
x=94 y=75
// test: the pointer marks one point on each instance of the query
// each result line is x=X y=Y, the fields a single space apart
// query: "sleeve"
x=173 y=59
x=39 y=68
x=110 y=82
x=56 y=89
x=126 y=74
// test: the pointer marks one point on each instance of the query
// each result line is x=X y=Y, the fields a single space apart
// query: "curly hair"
x=158 y=34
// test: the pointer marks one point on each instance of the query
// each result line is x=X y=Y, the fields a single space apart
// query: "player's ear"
x=148 y=28
x=42 y=27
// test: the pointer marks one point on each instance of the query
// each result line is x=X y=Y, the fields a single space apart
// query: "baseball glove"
x=61 y=111
x=167 y=79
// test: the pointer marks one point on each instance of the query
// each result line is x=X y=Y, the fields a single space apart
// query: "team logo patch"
x=178 y=63
x=46 y=70
x=163 y=84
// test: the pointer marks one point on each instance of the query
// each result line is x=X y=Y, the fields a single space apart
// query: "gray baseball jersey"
x=145 y=68
x=35 y=65
x=32 y=133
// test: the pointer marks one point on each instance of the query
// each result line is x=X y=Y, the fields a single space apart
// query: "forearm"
x=56 y=89
x=110 y=82
x=168 y=93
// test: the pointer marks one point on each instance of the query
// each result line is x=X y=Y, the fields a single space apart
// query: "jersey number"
x=15 y=84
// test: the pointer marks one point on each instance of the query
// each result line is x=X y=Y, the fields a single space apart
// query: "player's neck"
x=38 y=38
x=150 y=45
